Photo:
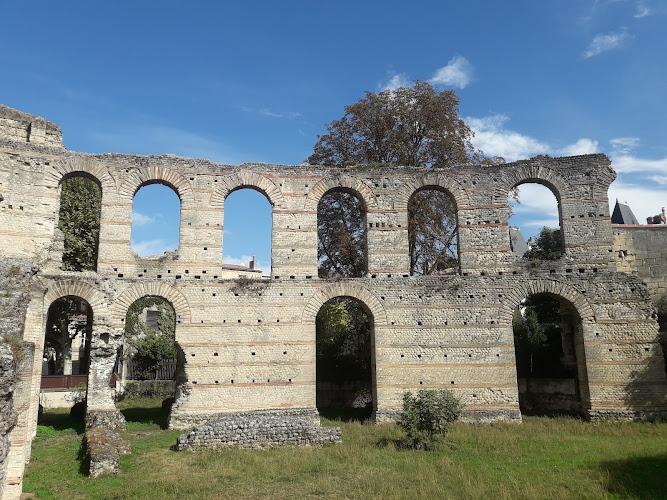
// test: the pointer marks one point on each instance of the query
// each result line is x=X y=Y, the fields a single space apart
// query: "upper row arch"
x=548 y=177
x=247 y=179
x=69 y=167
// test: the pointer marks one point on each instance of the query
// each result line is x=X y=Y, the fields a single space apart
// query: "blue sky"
x=256 y=81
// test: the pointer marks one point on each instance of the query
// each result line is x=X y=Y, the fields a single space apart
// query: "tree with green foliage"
x=428 y=416
x=151 y=346
x=61 y=331
x=548 y=245
x=409 y=126
x=79 y=220
x=343 y=341
x=539 y=333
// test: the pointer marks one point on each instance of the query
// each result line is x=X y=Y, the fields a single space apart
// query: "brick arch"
x=79 y=164
x=339 y=289
x=431 y=180
x=552 y=287
x=155 y=174
x=247 y=179
x=512 y=176
x=82 y=289
x=151 y=288
x=345 y=182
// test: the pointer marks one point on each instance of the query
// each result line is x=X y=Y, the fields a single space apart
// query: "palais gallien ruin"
x=247 y=346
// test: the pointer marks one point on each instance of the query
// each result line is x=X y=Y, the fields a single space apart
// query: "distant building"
x=623 y=215
x=518 y=243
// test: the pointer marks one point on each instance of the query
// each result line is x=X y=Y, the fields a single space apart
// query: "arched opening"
x=535 y=221
x=156 y=220
x=247 y=234
x=150 y=358
x=66 y=355
x=548 y=342
x=432 y=232
x=345 y=370
x=79 y=220
x=341 y=235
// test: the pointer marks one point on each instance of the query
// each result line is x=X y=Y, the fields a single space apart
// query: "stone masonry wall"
x=249 y=345
x=642 y=251
x=22 y=127
x=15 y=357
x=8 y=415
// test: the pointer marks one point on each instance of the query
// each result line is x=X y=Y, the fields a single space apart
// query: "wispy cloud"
x=458 y=73
x=153 y=247
x=623 y=145
x=642 y=10
x=139 y=219
x=149 y=138
x=397 y=80
x=606 y=42
x=583 y=146
x=269 y=113
x=494 y=139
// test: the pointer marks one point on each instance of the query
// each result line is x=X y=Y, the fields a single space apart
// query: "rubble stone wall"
x=249 y=345
x=642 y=251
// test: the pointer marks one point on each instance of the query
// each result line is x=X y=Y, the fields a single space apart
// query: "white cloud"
x=457 y=73
x=628 y=163
x=643 y=10
x=492 y=138
x=244 y=260
x=139 y=219
x=540 y=223
x=603 y=43
x=623 y=145
x=658 y=180
x=265 y=111
x=583 y=146
x=396 y=81
x=153 y=247
x=643 y=201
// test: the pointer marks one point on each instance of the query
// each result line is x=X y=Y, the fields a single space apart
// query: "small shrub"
x=428 y=415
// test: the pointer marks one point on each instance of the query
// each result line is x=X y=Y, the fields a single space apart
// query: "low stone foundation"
x=637 y=415
x=258 y=430
x=105 y=419
x=103 y=448
x=469 y=416
x=182 y=420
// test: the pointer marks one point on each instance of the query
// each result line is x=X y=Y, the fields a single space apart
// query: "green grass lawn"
x=542 y=458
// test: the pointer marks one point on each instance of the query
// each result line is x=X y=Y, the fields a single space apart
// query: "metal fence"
x=164 y=371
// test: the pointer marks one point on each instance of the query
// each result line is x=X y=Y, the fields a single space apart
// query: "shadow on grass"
x=346 y=414
x=146 y=415
x=61 y=421
x=640 y=477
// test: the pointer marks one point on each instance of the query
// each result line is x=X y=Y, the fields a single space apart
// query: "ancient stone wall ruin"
x=249 y=345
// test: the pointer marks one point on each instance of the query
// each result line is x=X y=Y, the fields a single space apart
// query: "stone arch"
x=247 y=179
x=340 y=289
x=553 y=287
x=140 y=177
x=431 y=180
x=152 y=288
x=67 y=167
x=76 y=288
x=514 y=175
x=345 y=182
